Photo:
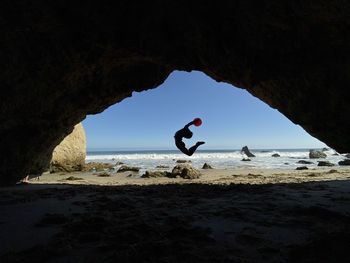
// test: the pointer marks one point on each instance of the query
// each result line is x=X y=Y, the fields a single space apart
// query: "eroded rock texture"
x=61 y=60
x=70 y=154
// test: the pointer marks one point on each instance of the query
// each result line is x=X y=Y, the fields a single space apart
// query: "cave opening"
x=232 y=118
x=139 y=130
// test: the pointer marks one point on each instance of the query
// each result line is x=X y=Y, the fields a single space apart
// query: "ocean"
x=220 y=159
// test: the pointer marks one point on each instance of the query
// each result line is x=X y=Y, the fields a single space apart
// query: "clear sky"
x=232 y=118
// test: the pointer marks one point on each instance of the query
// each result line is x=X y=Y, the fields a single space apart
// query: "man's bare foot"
x=200 y=143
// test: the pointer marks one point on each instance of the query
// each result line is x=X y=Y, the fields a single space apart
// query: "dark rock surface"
x=162 y=167
x=301 y=168
x=344 y=162
x=304 y=162
x=275 y=155
x=247 y=152
x=313 y=154
x=183 y=161
x=125 y=168
x=207 y=166
x=325 y=163
x=155 y=174
x=61 y=61
x=245 y=160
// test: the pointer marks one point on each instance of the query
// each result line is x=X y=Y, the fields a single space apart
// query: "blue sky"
x=231 y=118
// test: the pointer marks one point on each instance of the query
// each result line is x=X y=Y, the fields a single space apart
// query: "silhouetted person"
x=186 y=133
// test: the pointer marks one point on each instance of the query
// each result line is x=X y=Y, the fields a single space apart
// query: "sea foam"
x=220 y=159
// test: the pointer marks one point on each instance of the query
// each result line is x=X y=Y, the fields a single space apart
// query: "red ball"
x=197 y=122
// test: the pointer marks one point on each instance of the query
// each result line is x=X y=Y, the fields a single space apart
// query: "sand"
x=225 y=216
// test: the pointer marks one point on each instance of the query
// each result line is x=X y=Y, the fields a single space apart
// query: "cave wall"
x=62 y=60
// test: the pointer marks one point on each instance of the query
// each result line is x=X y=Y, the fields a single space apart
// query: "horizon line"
x=211 y=149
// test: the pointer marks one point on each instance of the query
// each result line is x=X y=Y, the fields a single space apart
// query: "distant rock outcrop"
x=275 y=155
x=207 y=166
x=246 y=151
x=70 y=154
x=314 y=154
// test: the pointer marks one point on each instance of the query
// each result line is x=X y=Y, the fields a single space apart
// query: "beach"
x=226 y=215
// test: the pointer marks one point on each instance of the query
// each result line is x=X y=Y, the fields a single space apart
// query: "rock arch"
x=61 y=60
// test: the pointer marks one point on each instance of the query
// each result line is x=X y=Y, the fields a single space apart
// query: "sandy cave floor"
x=226 y=216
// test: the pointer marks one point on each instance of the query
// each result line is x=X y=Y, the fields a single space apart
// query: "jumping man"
x=186 y=133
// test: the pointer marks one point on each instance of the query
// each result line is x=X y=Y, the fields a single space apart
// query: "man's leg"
x=194 y=148
x=181 y=146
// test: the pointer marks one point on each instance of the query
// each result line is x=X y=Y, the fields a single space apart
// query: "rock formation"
x=313 y=154
x=155 y=174
x=70 y=154
x=304 y=162
x=344 y=162
x=207 y=166
x=301 y=168
x=125 y=168
x=185 y=171
x=275 y=155
x=325 y=163
x=61 y=61
x=246 y=151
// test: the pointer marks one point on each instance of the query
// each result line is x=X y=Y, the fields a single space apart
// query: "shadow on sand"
x=305 y=222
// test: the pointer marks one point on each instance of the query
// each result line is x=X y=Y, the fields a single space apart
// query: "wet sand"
x=225 y=216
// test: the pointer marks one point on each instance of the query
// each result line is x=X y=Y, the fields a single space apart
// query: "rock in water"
x=247 y=152
x=302 y=168
x=207 y=166
x=185 y=171
x=183 y=161
x=313 y=154
x=125 y=168
x=162 y=167
x=275 y=155
x=245 y=160
x=70 y=154
x=344 y=162
x=304 y=162
x=325 y=163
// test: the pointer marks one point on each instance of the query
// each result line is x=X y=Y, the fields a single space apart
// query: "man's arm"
x=189 y=124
